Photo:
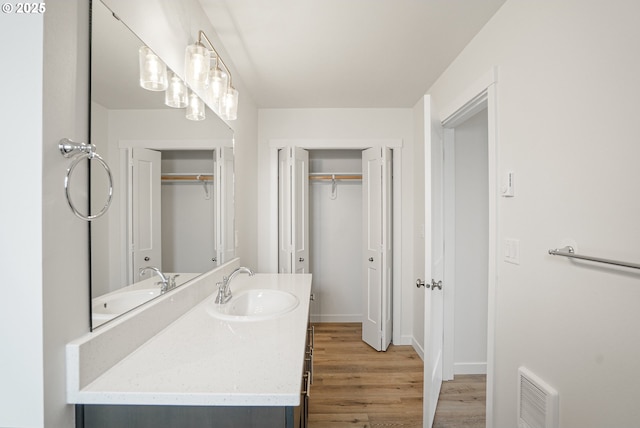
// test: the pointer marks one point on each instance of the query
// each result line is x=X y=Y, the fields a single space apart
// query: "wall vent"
x=537 y=402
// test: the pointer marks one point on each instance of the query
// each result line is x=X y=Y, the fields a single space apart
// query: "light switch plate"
x=507 y=189
x=512 y=251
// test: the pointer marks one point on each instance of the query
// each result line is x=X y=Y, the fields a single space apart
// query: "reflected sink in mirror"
x=109 y=306
x=253 y=305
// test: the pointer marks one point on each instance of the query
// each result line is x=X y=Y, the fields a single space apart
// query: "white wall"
x=567 y=112
x=335 y=235
x=471 y=245
x=188 y=213
x=65 y=291
x=65 y=284
x=21 y=226
x=339 y=125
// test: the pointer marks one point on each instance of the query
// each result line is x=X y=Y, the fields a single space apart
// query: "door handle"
x=301 y=259
x=146 y=259
x=435 y=284
x=419 y=283
x=370 y=259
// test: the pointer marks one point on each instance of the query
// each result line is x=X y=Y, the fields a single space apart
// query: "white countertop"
x=202 y=360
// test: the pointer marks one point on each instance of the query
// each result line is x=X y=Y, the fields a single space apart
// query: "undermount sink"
x=255 y=304
x=110 y=306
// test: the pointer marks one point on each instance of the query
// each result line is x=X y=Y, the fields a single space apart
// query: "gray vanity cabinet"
x=123 y=416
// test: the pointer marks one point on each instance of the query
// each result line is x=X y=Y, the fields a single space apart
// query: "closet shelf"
x=181 y=177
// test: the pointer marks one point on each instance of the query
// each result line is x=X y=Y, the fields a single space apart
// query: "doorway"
x=335 y=218
x=335 y=221
x=466 y=237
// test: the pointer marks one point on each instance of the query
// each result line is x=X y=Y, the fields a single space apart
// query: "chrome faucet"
x=224 y=287
x=166 y=283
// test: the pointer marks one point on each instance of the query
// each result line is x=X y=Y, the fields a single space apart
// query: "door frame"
x=346 y=144
x=450 y=234
x=477 y=96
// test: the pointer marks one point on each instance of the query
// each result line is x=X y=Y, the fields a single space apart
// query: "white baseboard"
x=417 y=348
x=469 y=368
x=403 y=341
x=335 y=318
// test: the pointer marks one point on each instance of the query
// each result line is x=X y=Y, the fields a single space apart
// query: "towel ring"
x=87 y=151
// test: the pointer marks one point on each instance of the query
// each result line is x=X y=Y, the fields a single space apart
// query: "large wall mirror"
x=173 y=207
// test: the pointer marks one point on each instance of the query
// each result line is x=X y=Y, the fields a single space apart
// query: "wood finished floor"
x=356 y=386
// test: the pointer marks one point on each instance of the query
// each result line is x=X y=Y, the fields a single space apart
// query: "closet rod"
x=341 y=176
x=187 y=177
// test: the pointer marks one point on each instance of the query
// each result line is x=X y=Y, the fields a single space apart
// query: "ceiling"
x=344 y=53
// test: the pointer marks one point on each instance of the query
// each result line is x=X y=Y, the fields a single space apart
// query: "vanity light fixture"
x=195 y=107
x=229 y=106
x=153 y=72
x=197 y=59
x=215 y=79
x=176 y=94
x=218 y=82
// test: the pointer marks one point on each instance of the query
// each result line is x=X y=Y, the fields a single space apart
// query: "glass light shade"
x=195 y=107
x=218 y=82
x=229 y=108
x=153 y=72
x=196 y=59
x=176 y=94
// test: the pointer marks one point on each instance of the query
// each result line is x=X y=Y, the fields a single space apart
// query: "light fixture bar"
x=202 y=35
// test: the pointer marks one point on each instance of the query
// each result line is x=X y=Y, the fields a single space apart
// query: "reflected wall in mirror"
x=173 y=206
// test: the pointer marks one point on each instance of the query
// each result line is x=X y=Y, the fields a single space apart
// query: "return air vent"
x=537 y=402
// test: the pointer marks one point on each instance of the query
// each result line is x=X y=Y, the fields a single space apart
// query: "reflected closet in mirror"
x=172 y=209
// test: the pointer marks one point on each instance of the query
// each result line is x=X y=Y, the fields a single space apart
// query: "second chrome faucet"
x=224 y=287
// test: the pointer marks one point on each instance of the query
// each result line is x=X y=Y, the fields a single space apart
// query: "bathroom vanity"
x=231 y=366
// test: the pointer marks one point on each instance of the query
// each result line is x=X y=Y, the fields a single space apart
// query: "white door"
x=146 y=228
x=293 y=207
x=225 y=212
x=300 y=191
x=284 y=211
x=376 y=234
x=434 y=263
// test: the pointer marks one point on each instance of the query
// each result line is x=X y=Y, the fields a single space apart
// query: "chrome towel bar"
x=568 y=251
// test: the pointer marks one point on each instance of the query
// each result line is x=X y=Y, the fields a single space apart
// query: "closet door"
x=376 y=188
x=284 y=211
x=146 y=228
x=300 y=227
x=293 y=210
x=225 y=212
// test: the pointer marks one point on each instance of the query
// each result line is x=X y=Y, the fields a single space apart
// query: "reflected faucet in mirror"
x=166 y=282
x=224 y=287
